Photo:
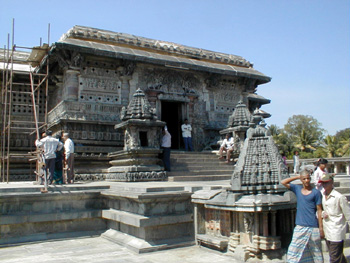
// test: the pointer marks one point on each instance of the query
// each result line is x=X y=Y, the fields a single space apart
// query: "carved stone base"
x=136 y=165
x=137 y=176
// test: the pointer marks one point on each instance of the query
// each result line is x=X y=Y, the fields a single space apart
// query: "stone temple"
x=94 y=73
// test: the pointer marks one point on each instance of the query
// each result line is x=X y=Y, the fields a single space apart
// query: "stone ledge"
x=5 y=242
x=147 y=197
x=220 y=243
x=144 y=221
x=141 y=246
x=49 y=217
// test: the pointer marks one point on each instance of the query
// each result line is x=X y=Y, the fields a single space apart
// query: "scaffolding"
x=30 y=72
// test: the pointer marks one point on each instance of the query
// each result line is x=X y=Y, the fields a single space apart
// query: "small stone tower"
x=255 y=216
x=138 y=161
x=238 y=124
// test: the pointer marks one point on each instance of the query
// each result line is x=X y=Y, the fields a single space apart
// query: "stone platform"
x=138 y=217
x=143 y=217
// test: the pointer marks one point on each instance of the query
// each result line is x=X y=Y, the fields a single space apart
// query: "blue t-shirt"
x=306 y=206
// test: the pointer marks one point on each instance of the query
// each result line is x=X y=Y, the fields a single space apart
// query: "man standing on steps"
x=335 y=213
x=50 y=146
x=166 y=146
x=186 y=129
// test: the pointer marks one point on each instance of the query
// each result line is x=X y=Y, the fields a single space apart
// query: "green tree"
x=330 y=146
x=343 y=138
x=305 y=132
x=282 y=140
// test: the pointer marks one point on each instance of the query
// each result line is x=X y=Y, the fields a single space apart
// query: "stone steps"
x=51 y=188
x=198 y=178
x=201 y=166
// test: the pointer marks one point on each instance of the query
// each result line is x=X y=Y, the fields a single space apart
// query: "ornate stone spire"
x=259 y=163
x=240 y=116
x=139 y=108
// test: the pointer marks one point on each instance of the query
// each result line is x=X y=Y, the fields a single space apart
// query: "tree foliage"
x=304 y=131
x=305 y=134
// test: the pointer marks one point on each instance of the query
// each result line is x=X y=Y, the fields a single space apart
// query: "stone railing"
x=339 y=165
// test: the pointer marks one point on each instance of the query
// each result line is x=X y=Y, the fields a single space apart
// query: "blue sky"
x=302 y=44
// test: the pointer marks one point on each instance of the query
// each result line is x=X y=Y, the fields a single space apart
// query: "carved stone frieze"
x=169 y=81
x=70 y=110
x=136 y=176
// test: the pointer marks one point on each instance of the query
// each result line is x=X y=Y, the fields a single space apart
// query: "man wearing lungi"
x=306 y=241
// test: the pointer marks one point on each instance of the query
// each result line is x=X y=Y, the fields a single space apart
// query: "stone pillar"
x=256 y=224
x=336 y=168
x=71 y=85
x=265 y=224
x=236 y=220
x=292 y=218
x=125 y=90
x=195 y=223
x=273 y=223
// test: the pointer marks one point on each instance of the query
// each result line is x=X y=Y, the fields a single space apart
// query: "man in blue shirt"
x=306 y=241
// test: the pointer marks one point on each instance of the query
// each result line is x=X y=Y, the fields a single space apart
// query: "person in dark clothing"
x=58 y=173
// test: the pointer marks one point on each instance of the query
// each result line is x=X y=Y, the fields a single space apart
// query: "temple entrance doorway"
x=172 y=115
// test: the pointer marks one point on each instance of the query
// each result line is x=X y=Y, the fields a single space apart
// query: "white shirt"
x=166 y=139
x=337 y=208
x=50 y=145
x=227 y=144
x=317 y=176
x=186 y=130
x=68 y=147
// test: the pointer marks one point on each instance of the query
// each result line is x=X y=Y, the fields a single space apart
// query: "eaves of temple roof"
x=140 y=49
x=258 y=98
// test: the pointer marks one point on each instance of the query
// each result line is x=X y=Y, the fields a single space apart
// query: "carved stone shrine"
x=255 y=216
x=138 y=161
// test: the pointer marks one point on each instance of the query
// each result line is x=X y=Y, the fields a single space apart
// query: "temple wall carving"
x=96 y=90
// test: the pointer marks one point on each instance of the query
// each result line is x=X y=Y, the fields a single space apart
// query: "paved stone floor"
x=97 y=249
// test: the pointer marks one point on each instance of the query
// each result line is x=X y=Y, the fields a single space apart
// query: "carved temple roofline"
x=125 y=46
x=105 y=36
x=119 y=52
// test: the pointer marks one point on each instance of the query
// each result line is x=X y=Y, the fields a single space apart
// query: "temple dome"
x=138 y=108
x=240 y=116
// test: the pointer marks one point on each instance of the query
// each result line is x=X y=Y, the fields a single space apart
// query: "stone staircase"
x=342 y=185
x=198 y=166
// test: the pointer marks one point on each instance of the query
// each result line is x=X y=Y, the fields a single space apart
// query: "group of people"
x=58 y=155
x=322 y=212
x=186 y=129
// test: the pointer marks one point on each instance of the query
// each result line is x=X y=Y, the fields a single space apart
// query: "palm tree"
x=344 y=147
x=305 y=141
x=330 y=146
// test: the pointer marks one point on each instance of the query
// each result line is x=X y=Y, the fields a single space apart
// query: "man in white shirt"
x=296 y=162
x=69 y=157
x=336 y=214
x=50 y=146
x=166 y=146
x=186 y=129
x=227 y=146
